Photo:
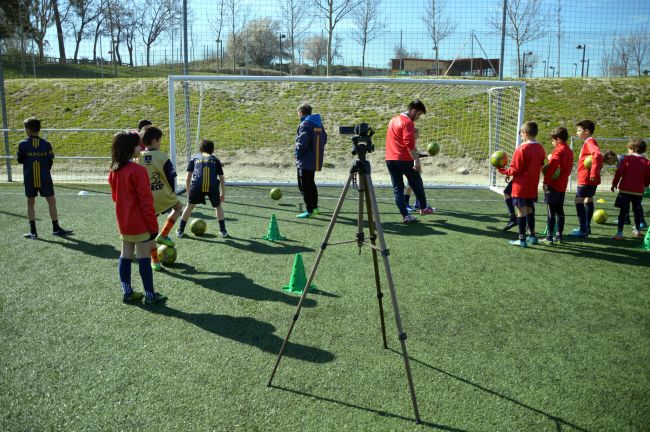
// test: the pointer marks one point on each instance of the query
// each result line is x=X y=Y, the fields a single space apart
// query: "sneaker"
x=30 y=236
x=578 y=233
x=643 y=225
x=133 y=297
x=521 y=243
x=558 y=239
x=61 y=232
x=157 y=298
x=410 y=209
x=164 y=240
x=618 y=236
x=156 y=266
x=511 y=224
x=179 y=233
x=532 y=240
x=546 y=241
x=409 y=219
x=223 y=234
x=636 y=233
x=304 y=215
x=316 y=211
x=416 y=206
x=427 y=210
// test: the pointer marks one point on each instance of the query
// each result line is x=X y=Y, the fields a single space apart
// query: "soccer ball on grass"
x=600 y=216
x=198 y=227
x=276 y=193
x=166 y=255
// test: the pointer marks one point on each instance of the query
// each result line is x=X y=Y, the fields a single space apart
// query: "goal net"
x=253 y=121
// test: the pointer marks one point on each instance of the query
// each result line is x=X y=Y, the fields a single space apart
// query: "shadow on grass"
x=234 y=284
x=632 y=254
x=104 y=251
x=559 y=422
x=368 y=409
x=87 y=188
x=265 y=247
x=417 y=229
x=245 y=330
x=477 y=217
x=17 y=215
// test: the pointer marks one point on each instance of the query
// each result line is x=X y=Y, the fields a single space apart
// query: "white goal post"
x=252 y=121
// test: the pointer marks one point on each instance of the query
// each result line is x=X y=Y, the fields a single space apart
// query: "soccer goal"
x=253 y=121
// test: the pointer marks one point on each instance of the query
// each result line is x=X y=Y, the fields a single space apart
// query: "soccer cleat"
x=410 y=209
x=409 y=219
x=558 y=239
x=156 y=298
x=179 y=233
x=578 y=233
x=31 y=236
x=427 y=210
x=532 y=240
x=304 y=215
x=416 y=206
x=164 y=240
x=156 y=266
x=637 y=234
x=643 y=225
x=132 y=297
x=546 y=241
x=61 y=232
x=521 y=243
x=223 y=234
x=316 y=211
x=511 y=224
x=618 y=236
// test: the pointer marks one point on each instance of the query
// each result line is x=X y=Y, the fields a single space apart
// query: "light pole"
x=575 y=70
x=584 y=49
x=523 y=63
x=531 y=69
x=587 y=73
x=281 y=36
x=552 y=68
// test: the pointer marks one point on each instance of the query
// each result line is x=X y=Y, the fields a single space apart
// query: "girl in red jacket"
x=136 y=218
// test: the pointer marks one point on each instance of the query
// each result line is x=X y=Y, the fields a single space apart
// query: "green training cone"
x=646 y=241
x=298 y=277
x=273 y=232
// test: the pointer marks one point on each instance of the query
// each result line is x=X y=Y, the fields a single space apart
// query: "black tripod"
x=367 y=192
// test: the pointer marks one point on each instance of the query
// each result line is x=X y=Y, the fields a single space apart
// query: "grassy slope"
x=620 y=107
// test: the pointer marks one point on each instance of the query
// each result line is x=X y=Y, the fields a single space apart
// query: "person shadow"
x=234 y=284
x=104 y=251
x=244 y=330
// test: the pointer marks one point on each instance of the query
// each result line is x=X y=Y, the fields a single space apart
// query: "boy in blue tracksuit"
x=309 y=150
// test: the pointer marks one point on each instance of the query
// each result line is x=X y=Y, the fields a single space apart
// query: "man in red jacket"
x=588 y=177
x=527 y=162
x=556 y=178
x=632 y=176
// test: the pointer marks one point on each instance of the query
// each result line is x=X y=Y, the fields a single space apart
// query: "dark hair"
x=305 y=109
x=150 y=133
x=206 y=146
x=124 y=144
x=33 y=124
x=608 y=155
x=560 y=133
x=530 y=128
x=587 y=125
x=418 y=105
x=637 y=145
x=143 y=123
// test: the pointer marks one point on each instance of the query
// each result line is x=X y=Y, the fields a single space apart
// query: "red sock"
x=154 y=255
x=169 y=224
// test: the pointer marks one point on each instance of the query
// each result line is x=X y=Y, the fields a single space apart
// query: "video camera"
x=362 y=141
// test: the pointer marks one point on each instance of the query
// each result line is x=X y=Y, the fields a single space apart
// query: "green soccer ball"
x=587 y=162
x=499 y=159
x=556 y=174
x=433 y=148
x=198 y=227
x=600 y=216
x=276 y=193
x=166 y=255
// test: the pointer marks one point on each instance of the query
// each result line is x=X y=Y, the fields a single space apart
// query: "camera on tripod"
x=361 y=141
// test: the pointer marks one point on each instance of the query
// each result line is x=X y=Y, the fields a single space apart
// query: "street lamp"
x=529 y=53
x=584 y=49
x=552 y=70
x=575 y=70
x=531 y=69
x=281 y=36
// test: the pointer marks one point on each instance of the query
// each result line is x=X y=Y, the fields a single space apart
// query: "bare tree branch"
x=333 y=11
x=438 y=26
x=295 y=21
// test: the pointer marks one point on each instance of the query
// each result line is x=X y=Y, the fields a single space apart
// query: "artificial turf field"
x=500 y=338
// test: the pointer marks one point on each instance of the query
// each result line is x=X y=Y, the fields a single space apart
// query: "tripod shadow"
x=235 y=284
x=104 y=251
x=477 y=217
x=368 y=409
x=265 y=247
x=244 y=330
x=559 y=422
x=414 y=229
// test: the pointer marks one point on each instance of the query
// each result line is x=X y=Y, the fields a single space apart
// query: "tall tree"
x=559 y=35
x=99 y=26
x=639 y=48
x=525 y=22
x=333 y=11
x=261 y=40
x=316 y=49
x=158 y=16
x=295 y=22
x=621 y=56
x=368 y=26
x=59 y=15
x=41 y=18
x=237 y=15
x=86 y=11
x=217 y=23
x=438 y=26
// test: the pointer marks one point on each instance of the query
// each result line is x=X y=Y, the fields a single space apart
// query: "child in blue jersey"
x=37 y=157
x=204 y=178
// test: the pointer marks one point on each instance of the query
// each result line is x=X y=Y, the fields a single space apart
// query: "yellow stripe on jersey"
x=36 y=141
x=36 y=172
x=317 y=131
x=206 y=179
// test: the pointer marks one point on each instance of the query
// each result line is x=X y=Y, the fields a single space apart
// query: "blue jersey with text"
x=37 y=157
x=205 y=169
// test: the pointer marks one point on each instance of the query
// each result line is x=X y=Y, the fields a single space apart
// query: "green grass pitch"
x=500 y=338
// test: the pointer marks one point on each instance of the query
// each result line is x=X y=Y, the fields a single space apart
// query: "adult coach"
x=308 y=151
x=402 y=159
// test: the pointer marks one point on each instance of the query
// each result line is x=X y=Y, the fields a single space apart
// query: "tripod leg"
x=311 y=275
x=375 y=262
x=393 y=295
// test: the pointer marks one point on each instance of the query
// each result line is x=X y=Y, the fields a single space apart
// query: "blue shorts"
x=623 y=201
x=586 y=191
x=46 y=190
x=553 y=197
x=523 y=202
x=196 y=196
x=508 y=189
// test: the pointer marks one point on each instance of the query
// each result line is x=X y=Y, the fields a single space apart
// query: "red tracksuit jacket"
x=525 y=169
x=131 y=192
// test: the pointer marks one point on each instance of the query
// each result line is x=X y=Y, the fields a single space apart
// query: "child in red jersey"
x=588 y=178
x=632 y=176
x=136 y=218
x=555 y=183
x=525 y=167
